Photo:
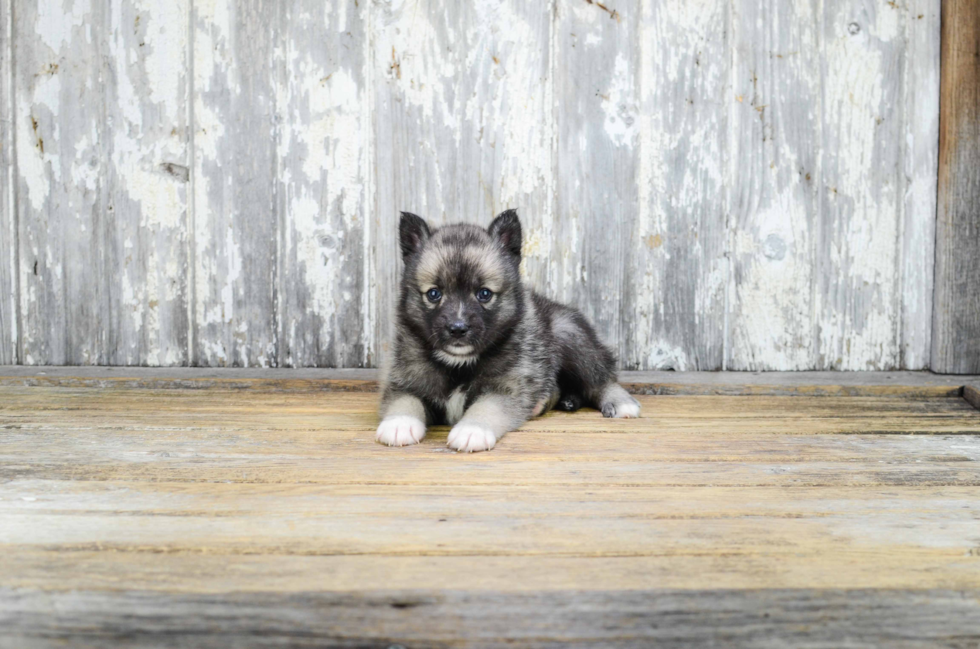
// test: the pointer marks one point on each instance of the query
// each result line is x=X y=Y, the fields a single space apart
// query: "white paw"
x=470 y=437
x=400 y=431
x=622 y=409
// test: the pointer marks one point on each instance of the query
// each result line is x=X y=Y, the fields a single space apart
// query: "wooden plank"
x=9 y=286
x=639 y=618
x=506 y=125
x=956 y=314
x=972 y=394
x=416 y=59
x=829 y=524
x=236 y=212
x=323 y=184
x=596 y=55
x=102 y=194
x=676 y=263
x=921 y=162
x=328 y=440
x=862 y=183
x=776 y=185
x=274 y=515
x=62 y=205
x=893 y=384
x=147 y=110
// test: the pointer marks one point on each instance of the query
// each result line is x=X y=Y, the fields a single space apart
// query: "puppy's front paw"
x=471 y=437
x=400 y=431
x=628 y=408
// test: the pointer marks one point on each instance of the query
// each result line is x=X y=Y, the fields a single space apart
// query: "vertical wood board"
x=676 y=267
x=323 y=183
x=9 y=318
x=235 y=213
x=597 y=111
x=147 y=86
x=956 y=315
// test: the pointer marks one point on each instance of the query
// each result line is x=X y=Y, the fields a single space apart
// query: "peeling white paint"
x=797 y=100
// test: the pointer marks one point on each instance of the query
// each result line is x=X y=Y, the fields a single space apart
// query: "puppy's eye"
x=484 y=294
x=433 y=294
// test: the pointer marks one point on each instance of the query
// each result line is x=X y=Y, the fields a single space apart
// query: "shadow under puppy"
x=477 y=350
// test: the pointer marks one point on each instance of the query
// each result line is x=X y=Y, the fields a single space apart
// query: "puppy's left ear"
x=506 y=229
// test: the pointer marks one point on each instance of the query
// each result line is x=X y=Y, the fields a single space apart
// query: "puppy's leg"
x=404 y=421
x=487 y=420
x=614 y=401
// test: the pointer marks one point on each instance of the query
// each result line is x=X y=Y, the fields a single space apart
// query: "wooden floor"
x=212 y=517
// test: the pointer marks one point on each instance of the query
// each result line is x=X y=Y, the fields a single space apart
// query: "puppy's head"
x=461 y=290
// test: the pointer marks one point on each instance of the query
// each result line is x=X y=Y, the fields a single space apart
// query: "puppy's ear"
x=413 y=232
x=506 y=229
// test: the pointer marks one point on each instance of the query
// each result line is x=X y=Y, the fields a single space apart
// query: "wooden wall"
x=718 y=184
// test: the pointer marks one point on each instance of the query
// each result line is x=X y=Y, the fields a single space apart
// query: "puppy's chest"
x=455 y=404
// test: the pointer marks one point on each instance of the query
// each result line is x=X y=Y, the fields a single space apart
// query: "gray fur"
x=485 y=365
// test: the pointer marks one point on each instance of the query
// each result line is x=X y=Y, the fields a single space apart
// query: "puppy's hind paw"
x=622 y=409
x=400 y=430
x=470 y=437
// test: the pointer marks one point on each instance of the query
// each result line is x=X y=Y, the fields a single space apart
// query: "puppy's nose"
x=458 y=329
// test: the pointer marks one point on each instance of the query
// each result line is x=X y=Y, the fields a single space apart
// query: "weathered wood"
x=62 y=197
x=506 y=124
x=147 y=117
x=956 y=314
x=667 y=618
x=857 y=268
x=972 y=394
x=102 y=169
x=881 y=384
x=596 y=56
x=921 y=161
x=236 y=213
x=742 y=185
x=323 y=187
x=266 y=517
x=9 y=303
x=774 y=185
x=676 y=267
x=463 y=128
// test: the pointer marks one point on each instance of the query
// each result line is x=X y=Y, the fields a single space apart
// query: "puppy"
x=477 y=350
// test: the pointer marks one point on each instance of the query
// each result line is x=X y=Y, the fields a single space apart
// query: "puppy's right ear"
x=413 y=232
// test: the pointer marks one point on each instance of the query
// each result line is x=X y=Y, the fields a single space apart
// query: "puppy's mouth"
x=458 y=349
x=456 y=355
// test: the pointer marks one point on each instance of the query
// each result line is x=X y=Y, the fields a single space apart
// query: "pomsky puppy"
x=477 y=350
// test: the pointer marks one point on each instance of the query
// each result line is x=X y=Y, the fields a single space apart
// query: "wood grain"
x=213 y=516
x=596 y=54
x=720 y=185
x=676 y=268
x=956 y=314
x=323 y=185
x=236 y=212
x=972 y=394
x=9 y=302
x=840 y=384
x=148 y=158
x=62 y=202
x=774 y=186
x=638 y=618
x=921 y=161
